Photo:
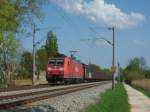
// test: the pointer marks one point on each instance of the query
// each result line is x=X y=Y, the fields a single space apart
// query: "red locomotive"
x=64 y=69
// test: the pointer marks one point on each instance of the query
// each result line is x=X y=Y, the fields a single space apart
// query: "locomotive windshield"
x=56 y=62
x=52 y=62
x=59 y=62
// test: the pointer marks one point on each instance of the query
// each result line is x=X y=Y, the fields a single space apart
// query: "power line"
x=92 y=29
x=42 y=40
x=35 y=29
x=113 y=51
x=67 y=19
x=29 y=34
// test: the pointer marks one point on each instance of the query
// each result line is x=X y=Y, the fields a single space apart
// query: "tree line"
x=136 y=69
x=101 y=71
x=49 y=49
x=16 y=16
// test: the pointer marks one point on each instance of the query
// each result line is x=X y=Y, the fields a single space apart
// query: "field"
x=145 y=83
x=111 y=101
x=143 y=86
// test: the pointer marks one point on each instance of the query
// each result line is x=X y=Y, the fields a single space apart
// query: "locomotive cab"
x=55 y=69
x=64 y=69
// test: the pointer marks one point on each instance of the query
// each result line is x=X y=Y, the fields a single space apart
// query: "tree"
x=99 y=70
x=107 y=71
x=15 y=15
x=41 y=60
x=51 y=45
x=8 y=42
x=8 y=21
x=26 y=65
x=147 y=73
x=134 y=70
x=95 y=68
x=8 y=51
x=28 y=10
x=133 y=75
x=137 y=64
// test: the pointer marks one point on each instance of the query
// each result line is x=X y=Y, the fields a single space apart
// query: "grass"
x=144 y=91
x=111 y=101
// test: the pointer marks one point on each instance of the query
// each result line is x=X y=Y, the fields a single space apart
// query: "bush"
x=133 y=75
x=147 y=73
x=23 y=73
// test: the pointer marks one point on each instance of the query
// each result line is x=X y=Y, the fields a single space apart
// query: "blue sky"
x=74 y=18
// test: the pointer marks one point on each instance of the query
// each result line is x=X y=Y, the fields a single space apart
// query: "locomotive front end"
x=55 y=70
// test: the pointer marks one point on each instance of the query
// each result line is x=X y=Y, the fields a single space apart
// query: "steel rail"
x=41 y=95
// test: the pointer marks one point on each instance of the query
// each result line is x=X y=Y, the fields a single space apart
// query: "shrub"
x=147 y=73
x=23 y=73
x=133 y=75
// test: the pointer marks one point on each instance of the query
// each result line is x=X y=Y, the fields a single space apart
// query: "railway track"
x=10 y=101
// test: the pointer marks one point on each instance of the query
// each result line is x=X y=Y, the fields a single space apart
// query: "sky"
x=77 y=21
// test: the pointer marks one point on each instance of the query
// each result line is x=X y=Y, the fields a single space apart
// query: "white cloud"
x=139 y=42
x=101 y=12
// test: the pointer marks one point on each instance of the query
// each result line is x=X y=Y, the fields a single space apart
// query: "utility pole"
x=34 y=45
x=33 y=74
x=113 y=52
x=113 y=62
x=118 y=72
x=113 y=56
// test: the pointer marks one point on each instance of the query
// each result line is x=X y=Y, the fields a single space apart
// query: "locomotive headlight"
x=49 y=68
x=61 y=69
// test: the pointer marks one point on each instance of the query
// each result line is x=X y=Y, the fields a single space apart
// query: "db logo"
x=76 y=69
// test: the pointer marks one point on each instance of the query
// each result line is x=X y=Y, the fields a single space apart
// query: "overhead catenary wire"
x=67 y=19
x=29 y=34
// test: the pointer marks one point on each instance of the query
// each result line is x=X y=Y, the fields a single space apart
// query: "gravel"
x=72 y=102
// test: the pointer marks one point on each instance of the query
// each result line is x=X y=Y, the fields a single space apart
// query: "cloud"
x=101 y=12
x=138 y=42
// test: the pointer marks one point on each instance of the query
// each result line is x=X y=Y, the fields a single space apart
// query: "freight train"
x=67 y=70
